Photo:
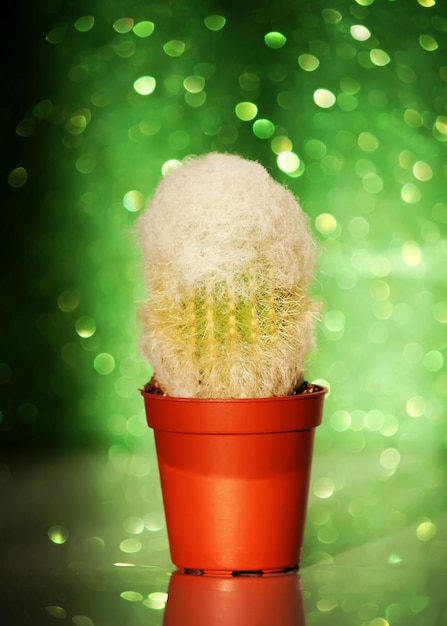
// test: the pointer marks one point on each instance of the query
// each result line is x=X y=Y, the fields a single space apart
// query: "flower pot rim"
x=235 y=415
x=292 y=397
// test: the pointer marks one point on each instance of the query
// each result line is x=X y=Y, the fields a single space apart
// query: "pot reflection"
x=234 y=601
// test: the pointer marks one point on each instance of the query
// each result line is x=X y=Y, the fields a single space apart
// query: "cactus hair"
x=228 y=261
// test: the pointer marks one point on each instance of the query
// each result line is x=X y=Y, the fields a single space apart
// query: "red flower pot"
x=235 y=478
x=229 y=601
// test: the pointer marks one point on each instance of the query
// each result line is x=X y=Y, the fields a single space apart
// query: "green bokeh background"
x=354 y=102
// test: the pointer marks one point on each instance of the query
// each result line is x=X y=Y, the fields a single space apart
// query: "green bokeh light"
x=143 y=29
x=275 y=40
x=246 y=111
x=263 y=129
x=215 y=22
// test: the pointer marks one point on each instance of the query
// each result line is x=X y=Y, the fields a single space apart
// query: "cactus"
x=228 y=260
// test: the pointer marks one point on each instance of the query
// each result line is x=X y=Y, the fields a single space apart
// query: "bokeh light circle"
x=145 y=85
x=246 y=111
x=288 y=161
x=104 y=363
x=263 y=128
x=324 y=98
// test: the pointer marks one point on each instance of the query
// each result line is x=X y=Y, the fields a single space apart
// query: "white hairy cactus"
x=228 y=260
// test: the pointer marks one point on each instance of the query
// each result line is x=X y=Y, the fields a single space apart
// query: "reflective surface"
x=85 y=543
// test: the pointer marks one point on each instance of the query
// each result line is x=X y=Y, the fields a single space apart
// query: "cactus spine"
x=228 y=261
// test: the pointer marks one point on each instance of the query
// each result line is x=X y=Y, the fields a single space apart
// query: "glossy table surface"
x=85 y=544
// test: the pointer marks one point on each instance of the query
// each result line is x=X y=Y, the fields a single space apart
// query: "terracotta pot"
x=235 y=478
x=229 y=601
